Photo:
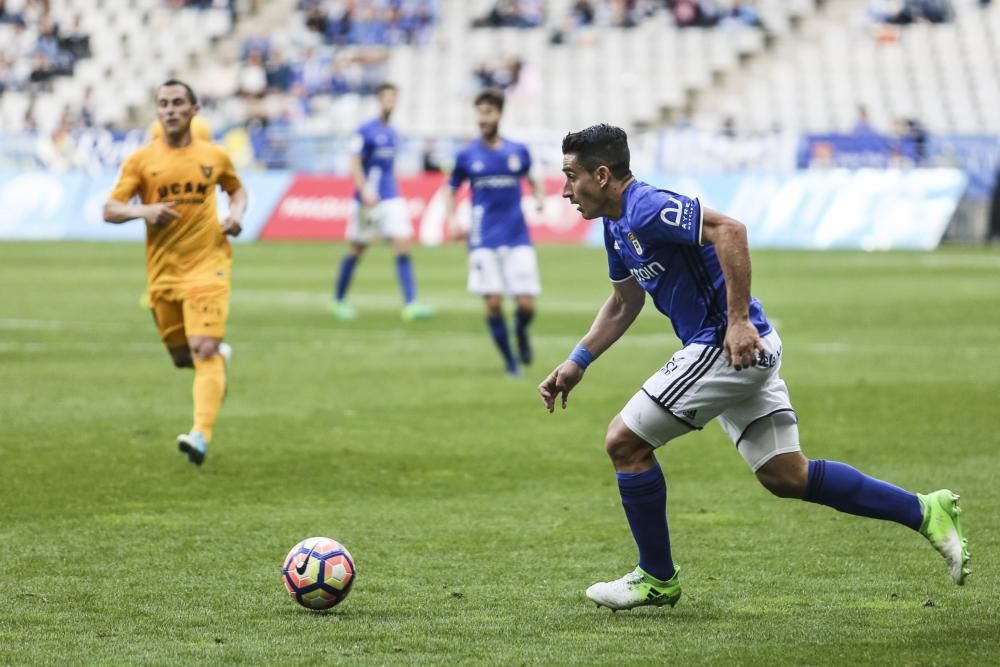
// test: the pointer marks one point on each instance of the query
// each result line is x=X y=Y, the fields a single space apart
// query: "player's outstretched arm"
x=369 y=195
x=730 y=240
x=155 y=214
x=233 y=224
x=613 y=320
x=538 y=189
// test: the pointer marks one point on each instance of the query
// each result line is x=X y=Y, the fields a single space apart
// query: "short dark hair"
x=385 y=85
x=192 y=98
x=600 y=144
x=491 y=96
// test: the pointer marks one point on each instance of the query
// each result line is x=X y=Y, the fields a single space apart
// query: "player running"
x=695 y=264
x=200 y=131
x=380 y=212
x=188 y=257
x=501 y=257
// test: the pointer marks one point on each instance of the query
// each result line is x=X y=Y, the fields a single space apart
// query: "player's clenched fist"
x=161 y=214
x=560 y=381
x=231 y=226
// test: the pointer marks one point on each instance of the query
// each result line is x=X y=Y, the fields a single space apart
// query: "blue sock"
x=522 y=320
x=843 y=488
x=344 y=277
x=498 y=328
x=404 y=273
x=644 y=496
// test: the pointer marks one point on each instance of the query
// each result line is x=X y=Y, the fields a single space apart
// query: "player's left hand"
x=742 y=344
x=560 y=381
x=231 y=226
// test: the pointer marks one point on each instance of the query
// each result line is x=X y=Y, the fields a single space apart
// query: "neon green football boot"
x=416 y=311
x=343 y=311
x=943 y=529
x=636 y=589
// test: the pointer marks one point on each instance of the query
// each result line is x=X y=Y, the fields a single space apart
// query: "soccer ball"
x=318 y=573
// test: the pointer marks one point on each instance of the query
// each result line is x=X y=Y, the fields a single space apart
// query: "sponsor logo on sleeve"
x=678 y=213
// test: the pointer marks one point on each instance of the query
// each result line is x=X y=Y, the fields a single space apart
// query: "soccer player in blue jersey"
x=695 y=264
x=501 y=257
x=380 y=212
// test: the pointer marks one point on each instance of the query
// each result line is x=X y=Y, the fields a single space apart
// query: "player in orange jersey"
x=201 y=131
x=188 y=255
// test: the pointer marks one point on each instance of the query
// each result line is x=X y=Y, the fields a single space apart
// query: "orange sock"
x=209 y=388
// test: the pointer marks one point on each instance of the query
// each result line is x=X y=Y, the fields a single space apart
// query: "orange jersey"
x=191 y=250
x=199 y=130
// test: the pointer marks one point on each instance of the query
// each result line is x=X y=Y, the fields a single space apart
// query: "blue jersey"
x=375 y=142
x=495 y=177
x=658 y=242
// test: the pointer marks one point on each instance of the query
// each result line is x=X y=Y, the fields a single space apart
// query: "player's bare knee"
x=786 y=475
x=204 y=348
x=625 y=448
x=493 y=305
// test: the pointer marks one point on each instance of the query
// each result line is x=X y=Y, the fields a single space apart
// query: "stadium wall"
x=870 y=209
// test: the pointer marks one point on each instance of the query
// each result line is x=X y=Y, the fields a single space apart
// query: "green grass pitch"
x=476 y=518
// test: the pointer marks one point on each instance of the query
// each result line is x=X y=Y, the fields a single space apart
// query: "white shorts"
x=508 y=270
x=388 y=219
x=696 y=386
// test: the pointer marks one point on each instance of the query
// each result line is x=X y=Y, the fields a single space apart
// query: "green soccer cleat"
x=416 y=311
x=942 y=528
x=343 y=311
x=636 y=589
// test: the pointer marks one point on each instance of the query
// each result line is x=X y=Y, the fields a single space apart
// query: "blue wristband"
x=581 y=356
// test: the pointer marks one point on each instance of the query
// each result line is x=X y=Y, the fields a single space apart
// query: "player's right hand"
x=560 y=381
x=161 y=214
x=456 y=232
x=369 y=197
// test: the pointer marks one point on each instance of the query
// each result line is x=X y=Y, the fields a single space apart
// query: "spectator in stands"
x=259 y=43
x=862 y=124
x=583 y=13
x=8 y=16
x=686 y=13
x=75 y=41
x=741 y=13
x=316 y=20
x=512 y=14
x=85 y=108
x=911 y=145
x=41 y=72
x=33 y=10
x=312 y=71
x=369 y=27
x=252 y=76
x=338 y=82
x=278 y=73
x=58 y=149
x=904 y=12
x=728 y=129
